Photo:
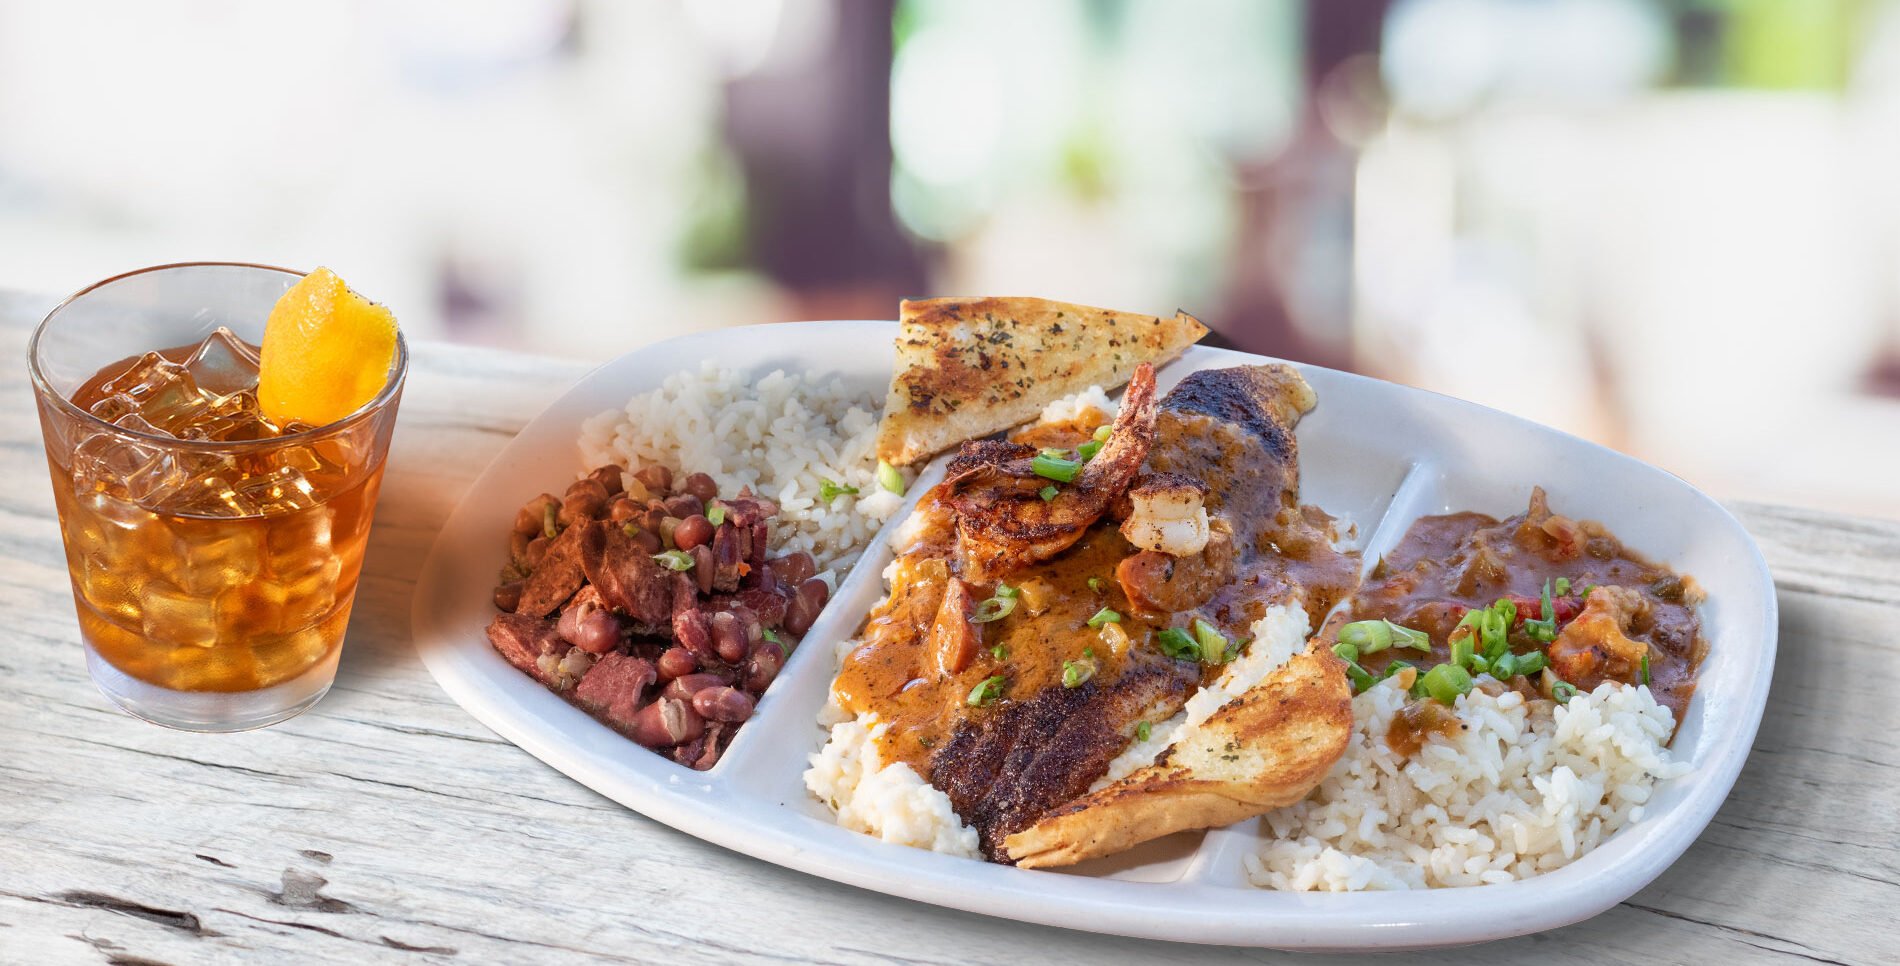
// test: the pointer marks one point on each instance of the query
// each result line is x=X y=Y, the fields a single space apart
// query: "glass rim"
x=399 y=370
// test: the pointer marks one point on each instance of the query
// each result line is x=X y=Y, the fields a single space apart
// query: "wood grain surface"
x=386 y=825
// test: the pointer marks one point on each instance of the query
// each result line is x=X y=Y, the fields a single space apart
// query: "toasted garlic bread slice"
x=967 y=368
x=1263 y=750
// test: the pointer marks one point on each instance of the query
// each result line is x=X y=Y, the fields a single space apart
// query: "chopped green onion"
x=1504 y=608
x=1446 y=682
x=631 y=529
x=1562 y=692
x=1055 y=468
x=1461 y=652
x=1104 y=616
x=1362 y=679
x=1096 y=584
x=889 y=478
x=1563 y=586
x=1048 y=493
x=674 y=560
x=999 y=652
x=1395 y=667
x=716 y=515
x=1494 y=633
x=1088 y=450
x=1417 y=689
x=1005 y=590
x=1529 y=664
x=1587 y=588
x=1369 y=637
x=550 y=520
x=1176 y=644
x=986 y=690
x=1479 y=665
x=1143 y=730
x=1550 y=610
x=1645 y=669
x=1102 y=433
x=992 y=609
x=1346 y=652
x=829 y=491
x=1213 y=645
x=1077 y=673
x=770 y=635
x=1505 y=667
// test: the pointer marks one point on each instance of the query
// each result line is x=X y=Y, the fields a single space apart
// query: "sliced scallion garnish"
x=715 y=515
x=1096 y=584
x=992 y=609
x=1005 y=590
x=1213 y=645
x=1346 y=652
x=1104 y=616
x=1048 y=493
x=1088 y=450
x=1102 y=433
x=986 y=690
x=1532 y=663
x=1562 y=692
x=1563 y=586
x=1176 y=644
x=829 y=491
x=889 y=478
x=999 y=652
x=1055 y=468
x=1645 y=669
x=1077 y=673
x=1446 y=682
x=1143 y=730
x=674 y=560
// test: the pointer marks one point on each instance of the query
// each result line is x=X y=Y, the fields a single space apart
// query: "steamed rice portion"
x=1526 y=787
x=782 y=434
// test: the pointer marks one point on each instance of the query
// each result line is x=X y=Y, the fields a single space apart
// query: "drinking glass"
x=213 y=576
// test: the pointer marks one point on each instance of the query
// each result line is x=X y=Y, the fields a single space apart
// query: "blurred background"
x=1672 y=226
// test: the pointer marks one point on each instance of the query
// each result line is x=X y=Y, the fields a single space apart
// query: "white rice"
x=1526 y=787
x=782 y=435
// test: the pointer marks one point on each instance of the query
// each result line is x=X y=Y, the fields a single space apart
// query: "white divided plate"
x=1377 y=454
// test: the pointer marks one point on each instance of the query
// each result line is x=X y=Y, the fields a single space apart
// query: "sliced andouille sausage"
x=557 y=576
x=613 y=687
x=629 y=580
x=522 y=640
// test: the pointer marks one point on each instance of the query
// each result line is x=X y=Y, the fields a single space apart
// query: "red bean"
x=701 y=486
x=703 y=568
x=584 y=501
x=598 y=633
x=682 y=688
x=796 y=568
x=728 y=633
x=667 y=722
x=762 y=669
x=805 y=605
x=533 y=515
x=676 y=662
x=656 y=478
x=684 y=505
x=508 y=595
x=692 y=532
x=624 y=511
x=610 y=478
x=723 y=704
x=650 y=519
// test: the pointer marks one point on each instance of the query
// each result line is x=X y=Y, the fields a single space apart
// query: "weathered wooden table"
x=387 y=825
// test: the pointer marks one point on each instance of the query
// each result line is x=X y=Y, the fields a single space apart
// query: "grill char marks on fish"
x=1004 y=772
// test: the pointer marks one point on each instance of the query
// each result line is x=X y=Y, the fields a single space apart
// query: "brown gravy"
x=1447 y=564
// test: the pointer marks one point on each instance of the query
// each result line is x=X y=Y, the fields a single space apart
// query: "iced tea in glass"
x=214 y=554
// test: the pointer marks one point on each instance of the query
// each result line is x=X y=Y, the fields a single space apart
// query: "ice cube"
x=113 y=407
x=229 y=417
x=103 y=462
x=217 y=560
x=223 y=364
x=174 y=616
x=281 y=490
x=300 y=542
x=309 y=597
